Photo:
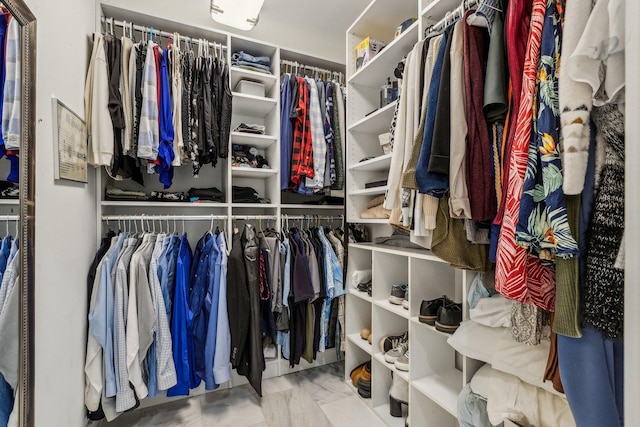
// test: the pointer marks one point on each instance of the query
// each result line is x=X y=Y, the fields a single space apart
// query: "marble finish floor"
x=316 y=397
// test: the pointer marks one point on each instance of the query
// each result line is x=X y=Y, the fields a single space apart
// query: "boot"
x=398 y=394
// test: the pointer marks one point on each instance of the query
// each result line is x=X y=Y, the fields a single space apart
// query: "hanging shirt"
x=221 y=358
x=330 y=169
x=317 y=137
x=149 y=139
x=302 y=154
x=199 y=288
x=166 y=152
x=211 y=304
x=181 y=323
x=12 y=100
x=286 y=133
x=176 y=102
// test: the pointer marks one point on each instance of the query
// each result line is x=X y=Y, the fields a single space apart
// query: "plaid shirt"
x=149 y=138
x=12 y=109
x=317 y=136
x=302 y=153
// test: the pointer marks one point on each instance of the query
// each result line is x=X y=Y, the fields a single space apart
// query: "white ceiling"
x=309 y=26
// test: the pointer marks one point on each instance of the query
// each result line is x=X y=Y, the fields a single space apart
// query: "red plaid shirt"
x=302 y=153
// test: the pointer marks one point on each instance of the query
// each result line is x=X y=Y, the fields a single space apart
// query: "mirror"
x=17 y=211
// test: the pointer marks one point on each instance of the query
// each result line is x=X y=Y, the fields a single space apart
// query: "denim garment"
x=101 y=318
x=286 y=132
x=5 y=249
x=222 y=356
x=167 y=132
x=432 y=183
x=242 y=56
x=199 y=289
x=472 y=409
x=252 y=64
x=211 y=302
x=6 y=400
x=180 y=323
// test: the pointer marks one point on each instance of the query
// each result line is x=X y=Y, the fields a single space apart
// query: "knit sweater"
x=604 y=287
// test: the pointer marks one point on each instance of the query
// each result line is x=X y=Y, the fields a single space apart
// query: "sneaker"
x=392 y=355
x=392 y=341
x=449 y=318
x=364 y=286
x=429 y=309
x=397 y=293
x=402 y=362
x=405 y=301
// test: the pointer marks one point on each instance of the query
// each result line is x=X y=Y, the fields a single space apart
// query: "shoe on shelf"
x=392 y=341
x=449 y=318
x=402 y=362
x=364 y=382
x=358 y=371
x=397 y=293
x=370 y=338
x=392 y=355
x=365 y=333
x=405 y=301
x=429 y=309
x=398 y=395
x=364 y=286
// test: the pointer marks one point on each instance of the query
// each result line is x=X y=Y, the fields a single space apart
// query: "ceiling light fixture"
x=241 y=14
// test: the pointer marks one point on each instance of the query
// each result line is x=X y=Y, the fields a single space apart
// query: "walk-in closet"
x=382 y=213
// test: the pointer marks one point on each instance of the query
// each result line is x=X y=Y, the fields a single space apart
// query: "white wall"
x=65 y=219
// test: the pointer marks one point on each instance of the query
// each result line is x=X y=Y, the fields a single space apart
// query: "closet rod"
x=9 y=217
x=451 y=17
x=299 y=217
x=300 y=65
x=183 y=217
x=160 y=33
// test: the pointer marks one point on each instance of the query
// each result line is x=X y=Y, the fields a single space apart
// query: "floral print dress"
x=543 y=227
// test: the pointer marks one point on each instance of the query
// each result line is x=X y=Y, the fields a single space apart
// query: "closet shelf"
x=377 y=164
x=133 y=204
x=442 y=388
x=313 y=207
x=377 y=122
x=369 y=191
x=362 y=295
x=363 y=344
x=437 y=9
x=258 y=173
x=396 y=309
x=402 y=374
x=237 y=74
x=252 y=106
x=383 y=64
x=433 y=329
x=413 y=253
x=371 y=220
x=258 y=141
x=254 y=205
x=384 y=414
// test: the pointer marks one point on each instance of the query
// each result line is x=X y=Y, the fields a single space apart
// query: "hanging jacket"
x=221 y=359
x=237 y=301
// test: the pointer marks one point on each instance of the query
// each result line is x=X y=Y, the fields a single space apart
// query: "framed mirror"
x=17 y=178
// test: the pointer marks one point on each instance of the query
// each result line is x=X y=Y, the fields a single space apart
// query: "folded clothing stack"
x=9 y=190
x=113 y=193
x=245 y=156
x=167 y=196
x=247 y=195
x=255 y=63
x=210 y=194
x=250 y=128
x=376 y=210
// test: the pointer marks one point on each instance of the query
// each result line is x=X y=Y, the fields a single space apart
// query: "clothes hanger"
x=211 y=227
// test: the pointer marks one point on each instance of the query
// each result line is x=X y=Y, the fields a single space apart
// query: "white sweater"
x=96 y=106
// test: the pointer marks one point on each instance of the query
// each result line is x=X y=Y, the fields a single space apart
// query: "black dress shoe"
x=449 y=318
x=429 y=309
x=364 y=286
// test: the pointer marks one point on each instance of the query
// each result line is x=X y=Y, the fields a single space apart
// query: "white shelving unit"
x=437 y=373
x=249 y=109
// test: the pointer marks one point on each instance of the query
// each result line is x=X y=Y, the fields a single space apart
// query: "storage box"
x=367 y=50
x=250 y=88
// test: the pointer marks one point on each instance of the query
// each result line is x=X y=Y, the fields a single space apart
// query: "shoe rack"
x=436 y=373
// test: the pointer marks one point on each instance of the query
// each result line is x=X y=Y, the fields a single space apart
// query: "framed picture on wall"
x=70 y=142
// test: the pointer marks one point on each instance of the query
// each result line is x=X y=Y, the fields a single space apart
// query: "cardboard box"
x=367 y=50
